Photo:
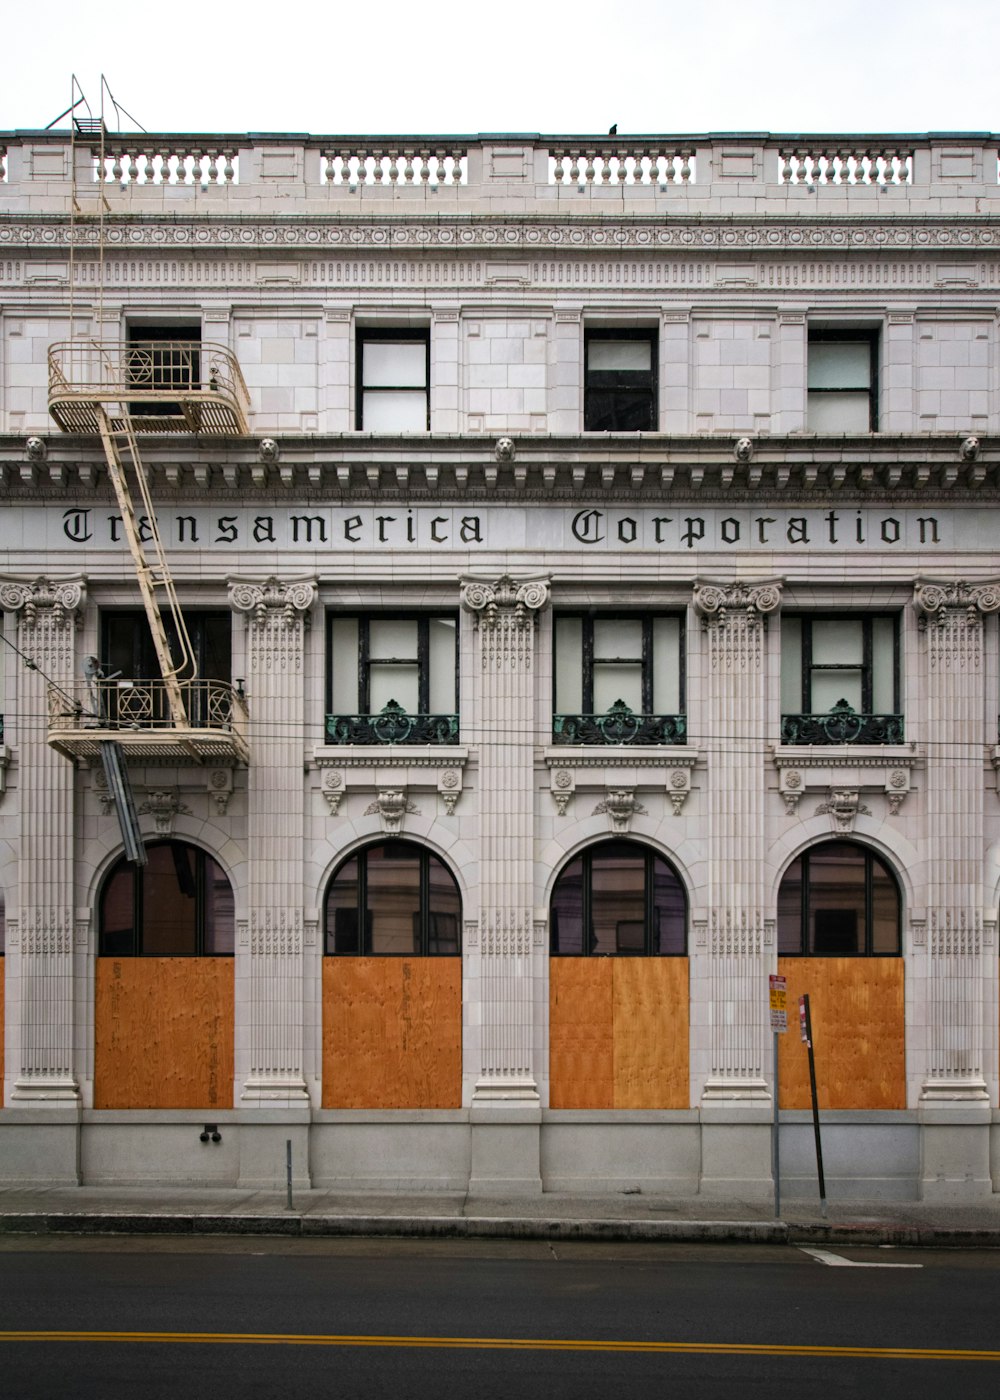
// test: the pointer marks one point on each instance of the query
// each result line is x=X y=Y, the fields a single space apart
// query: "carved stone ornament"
x=791 y=789
x=843 y=806
x=269 y=451
x=936 y=600
x=163 y=805
x=61 y=599
x=562 y=787
x=450 y=788
x=272 y=598
x=620 y=805
x=715 y=600
x=505 y=449
x=521 y=597
x=391 y=805
x=679 y=788
x=969 y=451
x=35 y=449
x=896 y=788
x=333 y=790
x=743 y=450
x=220 y=788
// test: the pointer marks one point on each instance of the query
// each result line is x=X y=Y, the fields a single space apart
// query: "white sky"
x=652 y=66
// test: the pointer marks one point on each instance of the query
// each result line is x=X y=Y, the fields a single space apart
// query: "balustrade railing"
x=842 y=725
x=619 y=725
x=392 y=725
x=845 y=165
x=618 y=163
x=394 y=165
x=167 y=165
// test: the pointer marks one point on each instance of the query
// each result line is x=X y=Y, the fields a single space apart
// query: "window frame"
x=846 y=335
x=145 y=662
x=867 y=620
x=364 y=618
x=373 y=334
x=138 y=876
x=586 y=856
x=592 y=334
x=871 y=857
x=588 y=618
x=426 y=914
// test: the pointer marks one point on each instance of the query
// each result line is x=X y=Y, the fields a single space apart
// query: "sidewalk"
x=565 y=1216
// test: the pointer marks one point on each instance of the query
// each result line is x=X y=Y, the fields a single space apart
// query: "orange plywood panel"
x=858 y=1020
x=392 y=1032
x=651 y=1040
x=163 y=1033
x=581 y=1033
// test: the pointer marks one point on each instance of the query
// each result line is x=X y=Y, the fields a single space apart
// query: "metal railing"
x=143 y=704
x=842 y=725
x=619 y=725
x=166 y=386
x=392 y=725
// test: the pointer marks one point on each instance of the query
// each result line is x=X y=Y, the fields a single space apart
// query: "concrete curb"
x=500 y=1227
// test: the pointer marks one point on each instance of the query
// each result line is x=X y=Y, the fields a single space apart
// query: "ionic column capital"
x=936 y=599
x=272 y=600
x=715 y=600
x=55 y=599
x=519 y=598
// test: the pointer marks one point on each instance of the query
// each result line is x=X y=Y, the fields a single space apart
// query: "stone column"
x=270 y=965
x=734 y=716
x=41 y=939
x=506 y=1113
x=955 y=1107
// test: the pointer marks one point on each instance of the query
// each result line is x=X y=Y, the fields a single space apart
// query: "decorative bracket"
x=164 y=805
x=620 y=805
x=391 y=805
x=843 y=806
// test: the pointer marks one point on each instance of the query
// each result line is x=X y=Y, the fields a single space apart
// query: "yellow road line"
x=504 y=1344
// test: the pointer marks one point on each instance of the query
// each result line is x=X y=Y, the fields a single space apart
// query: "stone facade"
x=509 y=259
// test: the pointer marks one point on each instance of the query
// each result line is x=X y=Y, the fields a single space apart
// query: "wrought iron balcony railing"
x=842 y=725
x=137 y=714
x=175 y=386
x=392 y=725
x=619 y=725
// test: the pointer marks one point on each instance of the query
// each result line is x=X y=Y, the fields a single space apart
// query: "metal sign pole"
x=777 y=996
x=805 y=1022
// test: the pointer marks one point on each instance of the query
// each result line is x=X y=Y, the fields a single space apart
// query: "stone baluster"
x=685 y=166
x=734 y=624
x=40 y=966
x=957 y=966
x=558 y=170
x=504 y=612
x=277 y=614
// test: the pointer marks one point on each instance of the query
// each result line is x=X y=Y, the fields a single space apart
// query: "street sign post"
x=778 y=999
x=805 y=1030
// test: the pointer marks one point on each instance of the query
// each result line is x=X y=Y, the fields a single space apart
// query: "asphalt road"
x=93 y=1319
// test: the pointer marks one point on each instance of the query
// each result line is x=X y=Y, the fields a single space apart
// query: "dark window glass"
x=620 y=381
x=618 y=898
x=163 y=357
x=127 y=644
x=838 y=899
x=394 y=381
x=842 y=669
x=180 y=904
x=395 y=899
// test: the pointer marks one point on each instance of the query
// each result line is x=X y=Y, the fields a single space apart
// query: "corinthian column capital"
x=272 y=600
x=56 y=599
x=518 y=599
x=936 y=599
x=755 y=600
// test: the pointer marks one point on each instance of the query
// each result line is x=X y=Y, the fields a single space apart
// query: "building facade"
x=586 y=553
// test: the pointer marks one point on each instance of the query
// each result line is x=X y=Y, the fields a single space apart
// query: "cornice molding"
x=393 y=233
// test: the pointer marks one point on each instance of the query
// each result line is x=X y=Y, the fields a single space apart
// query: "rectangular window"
x=620 y=381
x=840 y=680
x=394 y=371
x=393 y=678
x=843 y=381
x=163 y=357
x=618 y=679
x=128 y=660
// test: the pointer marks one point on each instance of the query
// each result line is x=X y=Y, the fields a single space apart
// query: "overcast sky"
x=665 y=66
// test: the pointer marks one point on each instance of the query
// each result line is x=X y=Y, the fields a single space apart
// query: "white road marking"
x=837 y=1261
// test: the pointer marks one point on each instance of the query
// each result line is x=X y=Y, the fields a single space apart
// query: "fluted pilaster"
x=505 y=612
x=951 y=621
x=41 y=940
x=735 y=717
x=277 y=614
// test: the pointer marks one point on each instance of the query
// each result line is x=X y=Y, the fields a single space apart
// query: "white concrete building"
x=589 y=553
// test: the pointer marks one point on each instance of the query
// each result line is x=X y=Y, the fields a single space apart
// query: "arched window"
x=395 y=899
x=838 y=899
x=180 y=904
x=618 y=897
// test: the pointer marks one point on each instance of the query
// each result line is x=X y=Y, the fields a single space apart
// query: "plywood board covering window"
x=163 y=1033
x=392 y=1032
x=618 y=1033
x=859 y=1036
